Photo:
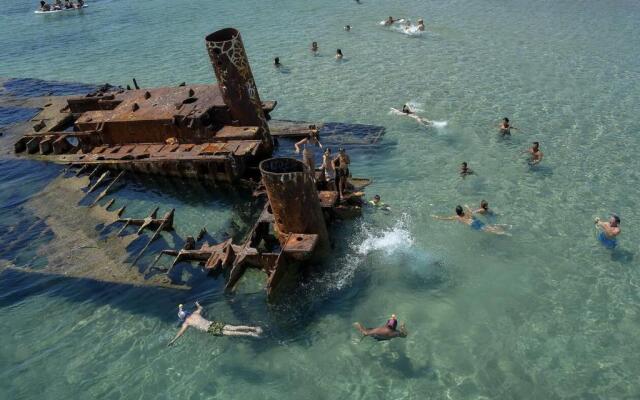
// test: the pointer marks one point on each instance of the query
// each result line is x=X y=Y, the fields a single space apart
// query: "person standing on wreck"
x=215 y=328
x=341 y=164
x=308 y=156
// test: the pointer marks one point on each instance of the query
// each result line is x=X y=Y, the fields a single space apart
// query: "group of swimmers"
x=58 y=5
x=407 y=23
x=216 y=328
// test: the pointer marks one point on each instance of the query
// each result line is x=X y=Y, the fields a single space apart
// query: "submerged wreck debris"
x=218 y=133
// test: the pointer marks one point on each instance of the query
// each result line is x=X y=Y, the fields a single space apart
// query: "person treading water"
x=467 y=218
x=505 y=127
x=536 y=154
x=276 y=62
x=339 y=55
x=609 y=231
x=215 y=328
x=314 y=48
x=347 y=28
x=484 y=208
x=421 y=25
x=465 y=170
x=385 y=332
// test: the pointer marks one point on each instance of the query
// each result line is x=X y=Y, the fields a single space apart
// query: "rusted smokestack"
x=239 y=90
x=294 y=199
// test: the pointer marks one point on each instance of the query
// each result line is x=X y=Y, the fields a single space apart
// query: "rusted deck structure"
x=217 y=132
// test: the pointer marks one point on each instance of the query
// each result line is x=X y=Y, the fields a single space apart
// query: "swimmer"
x=339 y=54
x=421 y=25
x=312 y=139
x=377 y=203
x=44 y=6
x=406 y=109
x=475 y=224
x=390 y=21
x=505 y=127
x=215 y=328
x=610 y=231
x=465 y=170
x=347 y=28
x=385 y=332
x=276 y=62
x=314 y=48
x=484 y=208
x=536 y=154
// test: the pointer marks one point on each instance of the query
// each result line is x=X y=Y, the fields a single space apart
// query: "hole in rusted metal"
x=189 y=100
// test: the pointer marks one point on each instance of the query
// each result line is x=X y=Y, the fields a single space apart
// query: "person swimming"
x=467 y=218
x=505 y=127
x=276 y=62
x=314 y=48
x=339 y=54
x=406 y=109
x=421 y=25
x=215 y=328
x=347 y=28
x=610 y=231
x=389 y=21
x=377 y=202
x=484 y=208
x=385 y=332
x=465 y=170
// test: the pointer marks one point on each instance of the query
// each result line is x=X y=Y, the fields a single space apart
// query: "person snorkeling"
x=215 y=328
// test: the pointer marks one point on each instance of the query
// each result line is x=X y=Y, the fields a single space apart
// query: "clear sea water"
x=547 y=313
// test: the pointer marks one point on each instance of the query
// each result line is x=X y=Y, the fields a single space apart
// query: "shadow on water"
x=29 y=87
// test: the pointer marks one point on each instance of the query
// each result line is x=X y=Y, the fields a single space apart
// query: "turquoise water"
x=546 y=313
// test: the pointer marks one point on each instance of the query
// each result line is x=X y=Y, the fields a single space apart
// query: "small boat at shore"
x=61 y=10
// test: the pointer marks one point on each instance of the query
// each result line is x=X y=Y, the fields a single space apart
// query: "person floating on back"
x=467 y=218
x=215 y=328
x=535 y=153
x=609 y=231
x=385 y=332
x=505 y=127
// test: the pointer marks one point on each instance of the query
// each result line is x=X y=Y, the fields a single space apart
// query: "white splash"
x=396 y=238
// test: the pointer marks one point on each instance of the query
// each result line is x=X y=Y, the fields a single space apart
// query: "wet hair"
x=276 y=61
x=616 y=218
x=537 y=144
x=464 y=164
x=42 y=2
x=484 y=204
x=339 y=51
x=505 y=119
x=376 y=197
x=459 y=211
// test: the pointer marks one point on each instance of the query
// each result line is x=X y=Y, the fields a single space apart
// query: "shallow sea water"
x=546 y=313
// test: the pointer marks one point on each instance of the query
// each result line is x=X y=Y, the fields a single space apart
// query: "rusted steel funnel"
x=294 y=199
x=239 y=90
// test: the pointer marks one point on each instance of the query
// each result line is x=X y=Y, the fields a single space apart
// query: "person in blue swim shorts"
x=467 y=218
x=609 y=231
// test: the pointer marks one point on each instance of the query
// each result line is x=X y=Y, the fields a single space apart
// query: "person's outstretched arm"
x=442 y=218
x=180 y=333
x=198 y=310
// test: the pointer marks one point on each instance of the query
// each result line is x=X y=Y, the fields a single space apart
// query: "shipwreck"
x=220 y=133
